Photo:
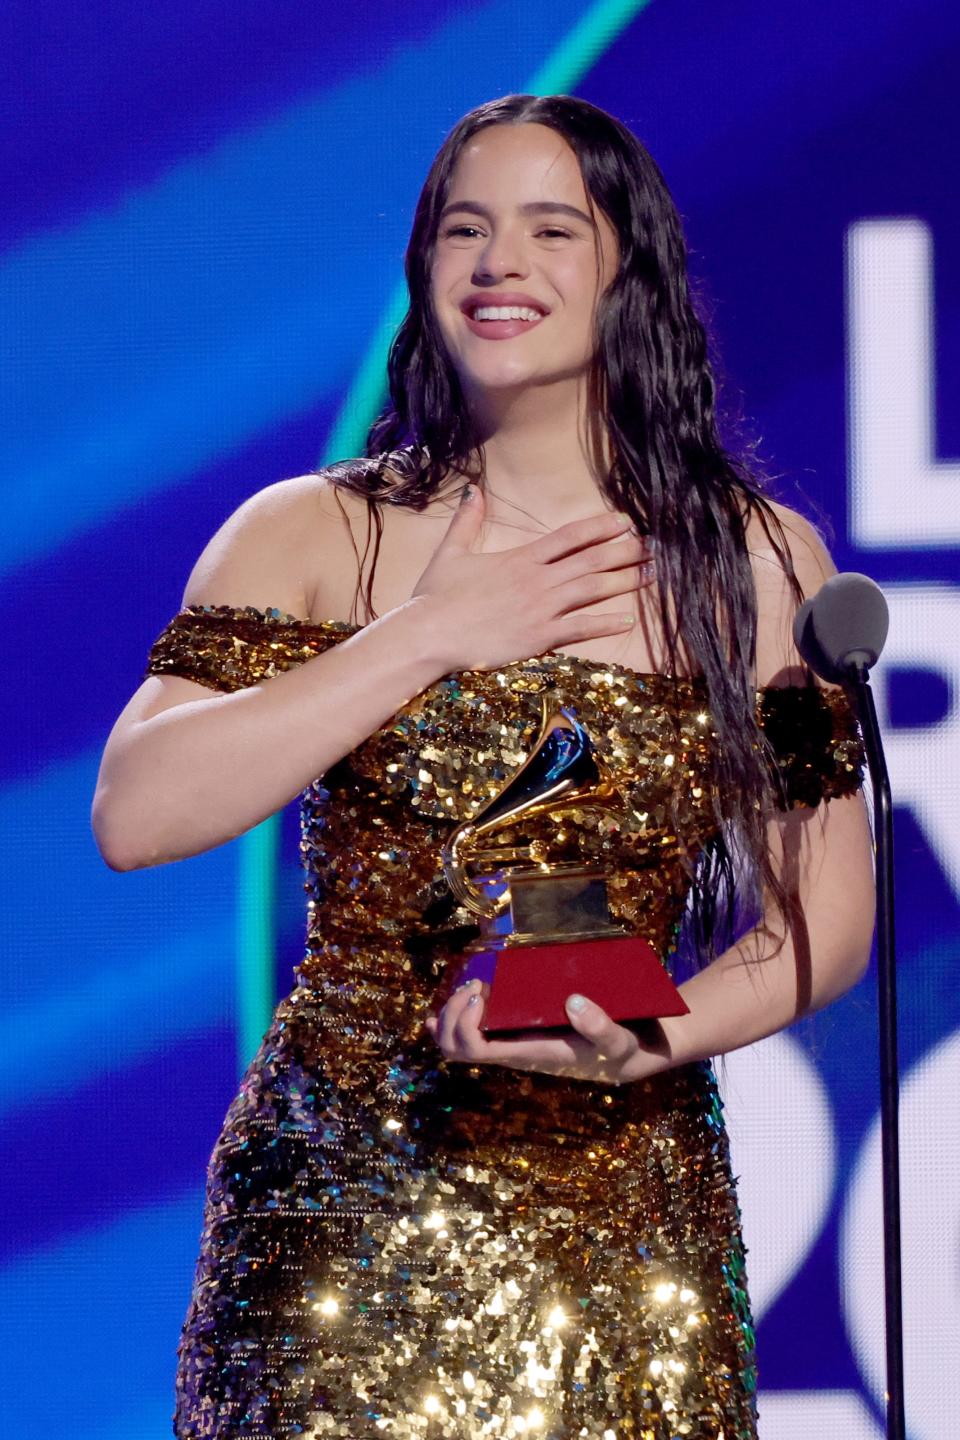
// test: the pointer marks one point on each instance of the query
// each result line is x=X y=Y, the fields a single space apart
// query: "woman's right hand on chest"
x=496 y=607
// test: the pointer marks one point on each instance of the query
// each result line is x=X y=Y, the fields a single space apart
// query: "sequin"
x=397 y=1245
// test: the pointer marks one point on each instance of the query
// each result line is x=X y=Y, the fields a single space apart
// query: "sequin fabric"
x=398 y=1245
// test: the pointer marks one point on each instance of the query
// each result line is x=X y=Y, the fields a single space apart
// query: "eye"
x=551 y=232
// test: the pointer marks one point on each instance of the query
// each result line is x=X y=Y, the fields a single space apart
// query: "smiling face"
x=514 y=281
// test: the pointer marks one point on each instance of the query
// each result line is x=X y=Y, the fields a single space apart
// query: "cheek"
x=441 y=282
x=578 y=280
x=444 y=271
x=440 y=319
x=581 y=291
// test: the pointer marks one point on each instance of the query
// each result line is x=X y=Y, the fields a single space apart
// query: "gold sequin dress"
x=395 y=1245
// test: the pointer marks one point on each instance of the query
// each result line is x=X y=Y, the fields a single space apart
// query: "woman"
x=412 y=1229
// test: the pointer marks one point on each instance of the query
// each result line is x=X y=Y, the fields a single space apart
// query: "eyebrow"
x=533 y=207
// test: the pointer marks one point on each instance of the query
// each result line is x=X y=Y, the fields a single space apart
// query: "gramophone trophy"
x=545 y=927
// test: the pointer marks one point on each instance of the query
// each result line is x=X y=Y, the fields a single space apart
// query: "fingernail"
x=466 y=494
x=576 y=1002
x=473 y=1000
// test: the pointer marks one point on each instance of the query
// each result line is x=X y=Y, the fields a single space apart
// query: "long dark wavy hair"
x=652 y=387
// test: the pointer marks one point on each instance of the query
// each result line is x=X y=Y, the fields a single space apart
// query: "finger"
x=468 y=1035
x=464 y=527
x=450 y=1014
x=593 y=625
x=611 y=1040
x=628 y=549
x=602 y=585
x=622 y=550
x=576 y=533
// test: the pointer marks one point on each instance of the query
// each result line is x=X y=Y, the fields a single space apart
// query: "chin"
x=506 y=374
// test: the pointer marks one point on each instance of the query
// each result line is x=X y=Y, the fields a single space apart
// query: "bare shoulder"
x=799 y=537
x=267 y=553
x=788 y=535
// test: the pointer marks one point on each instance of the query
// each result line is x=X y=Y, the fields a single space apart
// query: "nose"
x=502 y=255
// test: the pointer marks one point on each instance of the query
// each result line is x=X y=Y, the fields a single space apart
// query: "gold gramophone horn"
x=561 y=770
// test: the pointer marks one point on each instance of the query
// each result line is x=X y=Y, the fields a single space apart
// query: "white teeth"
x=505 y=312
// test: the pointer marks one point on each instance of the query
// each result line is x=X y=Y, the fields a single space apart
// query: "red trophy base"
x=621 y=974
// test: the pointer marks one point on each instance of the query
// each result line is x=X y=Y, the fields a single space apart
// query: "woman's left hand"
x=598 y=1049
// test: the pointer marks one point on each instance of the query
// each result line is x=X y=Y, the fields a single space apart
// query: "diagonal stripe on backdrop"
x=240 y=288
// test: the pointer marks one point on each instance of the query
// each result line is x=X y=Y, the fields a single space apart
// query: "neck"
x=537 y=451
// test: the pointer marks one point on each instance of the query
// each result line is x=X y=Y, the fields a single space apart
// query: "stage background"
x=205 y=208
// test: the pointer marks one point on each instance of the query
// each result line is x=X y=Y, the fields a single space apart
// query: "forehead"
x=528 y=161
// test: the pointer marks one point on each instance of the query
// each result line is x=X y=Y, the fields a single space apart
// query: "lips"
x=478 y=298
x=501 y=329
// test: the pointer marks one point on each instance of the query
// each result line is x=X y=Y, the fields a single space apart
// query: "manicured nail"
x=473 y=1000
x=576 y=1002
x=466 y=495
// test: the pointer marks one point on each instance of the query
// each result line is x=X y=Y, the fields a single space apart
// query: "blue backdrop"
x=205 y=212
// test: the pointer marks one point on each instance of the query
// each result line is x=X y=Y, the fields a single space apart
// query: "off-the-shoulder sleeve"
x=815 y=740
x=229 y=649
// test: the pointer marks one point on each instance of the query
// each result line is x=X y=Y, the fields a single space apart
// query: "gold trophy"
x=545 y=927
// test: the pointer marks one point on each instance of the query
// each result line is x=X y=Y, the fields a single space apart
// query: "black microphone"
x=841 y=631
x=840 y=634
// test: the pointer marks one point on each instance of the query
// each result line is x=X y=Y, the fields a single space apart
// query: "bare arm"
x=819 y=954
x=824 y=858
x=187 y=768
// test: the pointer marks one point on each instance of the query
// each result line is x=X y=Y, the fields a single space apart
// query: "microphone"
x=841 y=631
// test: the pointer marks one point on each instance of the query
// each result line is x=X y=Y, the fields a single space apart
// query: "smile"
x=505 y=312
x=501 y=322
